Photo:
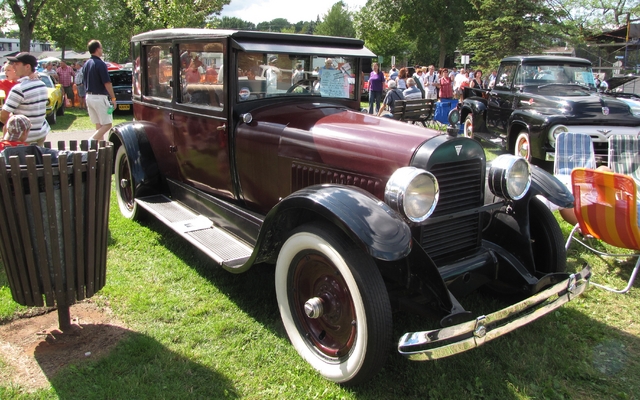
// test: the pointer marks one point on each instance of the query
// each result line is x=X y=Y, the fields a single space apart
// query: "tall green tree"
x=337 y=22
x=69 y=24
x=25 y=14
x=508 y=27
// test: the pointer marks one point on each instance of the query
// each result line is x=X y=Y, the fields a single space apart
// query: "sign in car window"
x=335 y=82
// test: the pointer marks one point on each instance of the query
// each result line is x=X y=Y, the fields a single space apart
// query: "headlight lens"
x=509 y=177
x=412 y=192
x=554 y=132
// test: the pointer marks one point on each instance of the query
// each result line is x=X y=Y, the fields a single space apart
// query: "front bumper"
x=468 y=335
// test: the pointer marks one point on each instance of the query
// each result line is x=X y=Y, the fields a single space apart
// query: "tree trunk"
x=26 y=32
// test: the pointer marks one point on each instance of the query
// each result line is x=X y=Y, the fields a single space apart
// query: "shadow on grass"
x=565 y=354
x=138 y=367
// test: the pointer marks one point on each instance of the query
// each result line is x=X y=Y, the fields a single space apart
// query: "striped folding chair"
x=573 y=150
x=624 y=155
x=606 y=209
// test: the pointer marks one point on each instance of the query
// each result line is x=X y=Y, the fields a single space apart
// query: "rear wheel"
x=125 y=186
x=547 y=241
x=333 y=303
x=60 y=110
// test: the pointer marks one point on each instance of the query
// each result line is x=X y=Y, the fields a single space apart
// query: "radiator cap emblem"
x=458 y=148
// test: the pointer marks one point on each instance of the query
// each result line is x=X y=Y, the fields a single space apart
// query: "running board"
x=224 y=248
x=497 y=141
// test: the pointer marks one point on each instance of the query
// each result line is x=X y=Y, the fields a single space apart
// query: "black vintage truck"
x=537 y=97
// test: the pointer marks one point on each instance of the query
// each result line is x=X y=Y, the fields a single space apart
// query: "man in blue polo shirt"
x=99 y=90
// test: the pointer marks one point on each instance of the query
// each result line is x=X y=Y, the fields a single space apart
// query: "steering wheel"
x=305 y=84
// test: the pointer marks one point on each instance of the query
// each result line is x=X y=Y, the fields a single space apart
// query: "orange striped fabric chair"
x=606 y=209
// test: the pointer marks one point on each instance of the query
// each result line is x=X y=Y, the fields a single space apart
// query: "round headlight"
x=554 y=132
x=412 y=192
x=509 y=177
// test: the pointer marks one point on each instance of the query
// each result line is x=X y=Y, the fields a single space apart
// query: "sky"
x=257 y=11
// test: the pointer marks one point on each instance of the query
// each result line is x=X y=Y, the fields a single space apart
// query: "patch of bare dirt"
x=34 y=350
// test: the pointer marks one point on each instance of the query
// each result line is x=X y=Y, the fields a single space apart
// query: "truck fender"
x=477 y=109
x=144 y=168
x=548 y=186
x=369 y=222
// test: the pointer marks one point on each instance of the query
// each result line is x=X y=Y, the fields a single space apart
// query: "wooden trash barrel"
x=54 y=208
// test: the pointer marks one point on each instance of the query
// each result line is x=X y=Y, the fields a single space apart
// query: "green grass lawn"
x=200 y=332
x=75 y=119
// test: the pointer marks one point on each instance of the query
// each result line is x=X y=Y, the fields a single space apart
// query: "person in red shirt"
x=15 y=131
x=11 y=81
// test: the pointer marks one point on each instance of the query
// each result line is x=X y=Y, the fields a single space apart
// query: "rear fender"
x=144 y=168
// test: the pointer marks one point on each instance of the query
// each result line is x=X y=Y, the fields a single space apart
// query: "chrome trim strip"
x=472 y=334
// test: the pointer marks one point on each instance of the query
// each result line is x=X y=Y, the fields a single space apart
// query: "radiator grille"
x=308 y=175
x=461 y=188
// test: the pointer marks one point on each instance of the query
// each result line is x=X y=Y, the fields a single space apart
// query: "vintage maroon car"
x=355 y=211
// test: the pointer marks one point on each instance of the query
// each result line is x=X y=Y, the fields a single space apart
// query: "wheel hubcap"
x=313 y=308
x=323 y=306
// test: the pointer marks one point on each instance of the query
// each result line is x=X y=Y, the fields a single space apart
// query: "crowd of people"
x=424 y=83
x=26 y=95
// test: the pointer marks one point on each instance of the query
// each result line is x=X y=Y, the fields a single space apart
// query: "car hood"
x=618 y=81
x=591 y=105
x=344 y=139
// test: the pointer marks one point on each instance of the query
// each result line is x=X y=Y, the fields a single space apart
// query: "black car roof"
x=256 y=41
x=546 y=59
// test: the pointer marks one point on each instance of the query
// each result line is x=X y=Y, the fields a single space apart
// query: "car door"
x=501 y=100
x=200 y=118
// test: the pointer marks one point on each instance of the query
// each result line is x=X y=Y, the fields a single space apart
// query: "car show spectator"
x=273 y=75
x=393 y=94
x=99 y=90
x=458 y=81
x=491 y=79
x=49 y=70
x=298 y=74
x=476 y=82
x=29 y=98
x=401 y=79
x=393 y=73
x=431 y=83
x=11 y=81
x=412 y=92
x=418 y=79
x=65 y=76
x=446 y=86
x=15 y=131
x=376 y=84
x=79 y=81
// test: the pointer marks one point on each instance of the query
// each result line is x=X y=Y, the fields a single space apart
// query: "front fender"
x=369 y=222
x=548 y=186
x=477 y=108
x=142 y=161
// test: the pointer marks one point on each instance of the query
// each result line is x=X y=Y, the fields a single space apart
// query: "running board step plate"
x=222 y=247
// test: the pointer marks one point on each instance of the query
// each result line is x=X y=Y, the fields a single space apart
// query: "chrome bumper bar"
x=471 y=334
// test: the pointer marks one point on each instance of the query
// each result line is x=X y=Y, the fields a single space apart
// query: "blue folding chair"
x=624 y=155
x=573 y=150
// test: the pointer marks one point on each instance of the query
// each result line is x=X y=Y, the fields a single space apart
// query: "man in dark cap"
x=29 y=98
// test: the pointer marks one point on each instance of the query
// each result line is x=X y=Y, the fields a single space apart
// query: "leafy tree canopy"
x=338 y=22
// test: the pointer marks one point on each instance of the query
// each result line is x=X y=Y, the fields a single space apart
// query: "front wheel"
x=333 y=303
x=522 y=146
x=547 y=241
x=125 y=186
x=52 y=118
x=468 y=126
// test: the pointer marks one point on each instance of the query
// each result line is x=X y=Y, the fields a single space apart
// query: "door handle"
x=222 y=127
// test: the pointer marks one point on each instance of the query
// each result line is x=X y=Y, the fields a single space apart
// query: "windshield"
x=544 y=74
x=263 y=75
x=47 y=81
x=120 y=78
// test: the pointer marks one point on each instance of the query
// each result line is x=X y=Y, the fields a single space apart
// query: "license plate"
x=124 y=107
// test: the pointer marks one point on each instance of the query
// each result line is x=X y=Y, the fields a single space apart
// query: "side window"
x=158 y=70
x=505 y=76
x=201 y=74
